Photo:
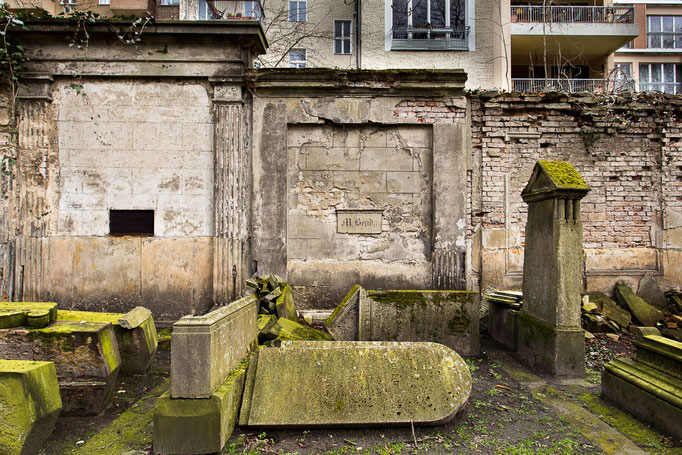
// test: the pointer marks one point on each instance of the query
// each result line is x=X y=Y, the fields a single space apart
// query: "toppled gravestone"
x=446 y=317
x=646 y=314
x=651 y=292
x=332 y=383
x=29 y=314
x=29 y=405
x=135 y=333
x=277 y=315
x=649 y=386
x=610 y=310
x=85 y=355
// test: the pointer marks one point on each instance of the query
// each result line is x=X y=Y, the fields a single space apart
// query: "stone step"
x=660 y=353
x=346 y=383
x=645 y=392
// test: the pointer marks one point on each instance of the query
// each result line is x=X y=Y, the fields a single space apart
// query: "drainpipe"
x=358 y=34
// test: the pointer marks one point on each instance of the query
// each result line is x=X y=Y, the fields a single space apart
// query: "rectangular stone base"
x=559 y=351
x=625 y=389
x=198 y=425
x=503 y=325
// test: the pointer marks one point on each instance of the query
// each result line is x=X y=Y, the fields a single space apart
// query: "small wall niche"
x=131 y=222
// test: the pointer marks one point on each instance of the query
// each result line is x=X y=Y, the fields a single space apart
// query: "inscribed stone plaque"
x=358 y=221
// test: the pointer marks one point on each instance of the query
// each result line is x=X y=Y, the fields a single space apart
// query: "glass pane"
x=346 y=46
x=338 y=46
x=668 y=38
x=337 y=28
x=438 y=13
x=678 y=32
x=399 y=17
x=302 y=11
x=678 y=78
x=656 y=73
x=457 y=13
x=667 y=23
x=654 y=24
x=643 y=77
x=419 y=18
x=293 y=7
x=346 y=28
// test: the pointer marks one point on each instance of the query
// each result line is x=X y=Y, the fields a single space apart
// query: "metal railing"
x=664 y=40
x=430 y=39
x=234 y=10
x=574 y=14
x=571 y=85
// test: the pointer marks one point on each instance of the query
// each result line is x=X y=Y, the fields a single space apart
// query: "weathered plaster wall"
x=137 y=146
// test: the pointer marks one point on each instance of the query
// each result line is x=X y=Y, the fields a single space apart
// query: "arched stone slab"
x=350 y=383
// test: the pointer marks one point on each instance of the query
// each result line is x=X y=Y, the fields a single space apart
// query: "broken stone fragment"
x=273 y=282
x=253 y=284
x=29 y=405
x=134 y=318
x=610 y=309
x=286 y=308
x=341 y=383
x=44 y=313
x=38 y=318
x=286 y=329
x=343 y=322
x=651 y=292
x=13 y=318
x=86 y=358
x=646 y=314
x=271 y=297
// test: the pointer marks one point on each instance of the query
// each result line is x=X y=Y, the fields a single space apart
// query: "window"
x=170 y=2
x=429 y=25
x=104 y=2
x=297 y=58
x=297 y=10
x=622 y=76
x=131 y=222
x=664 y=32
x=660 y=77
x=342 y=37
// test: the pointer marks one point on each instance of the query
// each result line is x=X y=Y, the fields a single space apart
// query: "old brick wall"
x=628 y=150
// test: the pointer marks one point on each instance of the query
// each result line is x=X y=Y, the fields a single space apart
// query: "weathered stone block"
x=610 y=309
x=205 y=348
x=645 y=392
x=29 y=405
x=86 y=358
x=660 y=353
x=503 y=325
x=447 y=317
x=286 y=308
x=37 y=314
x=286 y=329
x=137 y=346
x=134 y=318
x=12 y=318
x=354 y=383
x=198 y=426
x=646 y=314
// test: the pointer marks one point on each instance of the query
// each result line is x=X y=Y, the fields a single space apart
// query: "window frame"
x=297 y=16
x=646 y=83
x=298 y=63
x=104 y=2
x=170 y=2
x=343 y=38
x=660 y=34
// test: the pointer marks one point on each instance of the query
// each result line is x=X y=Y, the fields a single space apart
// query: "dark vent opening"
x=131 y=222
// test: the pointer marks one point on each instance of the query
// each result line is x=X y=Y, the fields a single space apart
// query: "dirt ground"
x=503 y=416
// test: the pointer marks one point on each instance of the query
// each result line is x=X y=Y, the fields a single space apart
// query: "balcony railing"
x=574 y=14
x=430 y=39
x=664 y=40
x=571 y=85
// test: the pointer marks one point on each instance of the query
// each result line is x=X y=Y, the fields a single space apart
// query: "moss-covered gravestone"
x=550 y=335
x=29 y=405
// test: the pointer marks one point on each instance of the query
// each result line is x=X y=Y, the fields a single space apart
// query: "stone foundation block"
x=86 y=358
x=29 y=405
x=559 y=351
x=346 y=383
x=198 y=425
x=645 y=392
x=503 y=325
x=137 y=344
x=204 y=349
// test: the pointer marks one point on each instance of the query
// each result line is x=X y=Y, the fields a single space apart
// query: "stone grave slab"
x=346 y=383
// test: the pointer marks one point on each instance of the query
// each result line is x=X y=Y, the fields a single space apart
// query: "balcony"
x=128 y=7
x=588 y=32
x=571 y=85
x=235 y=10
x=430 y=39
x=573 y=14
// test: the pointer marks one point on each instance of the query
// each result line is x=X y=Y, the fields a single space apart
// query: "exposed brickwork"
x=429 y=111
x=628 y=152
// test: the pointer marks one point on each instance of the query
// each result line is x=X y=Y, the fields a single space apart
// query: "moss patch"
x=341 y=305
x=564 y=175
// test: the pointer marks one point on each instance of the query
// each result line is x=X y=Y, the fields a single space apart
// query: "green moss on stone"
x=68 y=315
x=341 y=305
x=564 y=175
x=412 y=297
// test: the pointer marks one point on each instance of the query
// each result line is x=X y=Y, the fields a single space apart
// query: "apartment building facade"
x=653 y=60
